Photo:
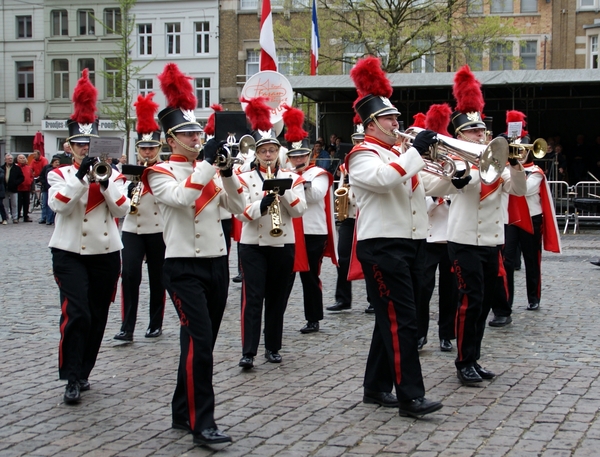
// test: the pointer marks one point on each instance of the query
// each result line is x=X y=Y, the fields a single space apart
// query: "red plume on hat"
x=258 y=112
x=517 y=116
x=369 y=78
x=145 y=109
x=177 y=88
x=293 y=118
x=84 y=100
x=209 y=128
x=419 y=120
x=356 y=119
x=467 y=91
x=438 y=118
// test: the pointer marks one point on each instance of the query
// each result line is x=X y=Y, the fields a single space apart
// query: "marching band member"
x=436 y=253
x=196 y=271
x=343 y=286
x=142 y=232
x=85 y=245
x=475 y=232
x=391 y=230
x=265 y=257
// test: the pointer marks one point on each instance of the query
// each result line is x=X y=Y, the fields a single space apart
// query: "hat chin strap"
x=469 y=140
x=387 y=132
x=150 y=159
x=195 y=149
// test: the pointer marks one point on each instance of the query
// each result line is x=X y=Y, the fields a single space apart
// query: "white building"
x=46 y=44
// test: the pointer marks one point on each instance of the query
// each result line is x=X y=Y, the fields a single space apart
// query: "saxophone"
x=274 y=208
x=342 y=201
x=136 y=195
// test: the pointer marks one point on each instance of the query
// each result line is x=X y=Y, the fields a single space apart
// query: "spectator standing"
x=66 y=158
x=24 y=189
x=13 y=176
x=2 y=195
x=47 y=213
x=37 y=164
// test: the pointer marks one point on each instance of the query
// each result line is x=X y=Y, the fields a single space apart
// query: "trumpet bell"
x=539 y=148
x=101 y=171
x=247 y=145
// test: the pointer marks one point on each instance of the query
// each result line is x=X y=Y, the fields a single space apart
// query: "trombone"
x=490 y=159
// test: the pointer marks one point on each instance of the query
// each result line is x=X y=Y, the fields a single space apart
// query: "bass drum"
x=276 y=88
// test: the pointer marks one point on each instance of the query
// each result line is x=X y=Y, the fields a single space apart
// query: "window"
x=594 y=51
x=202 y=37
x=501 y=57
x=502 y=6
x=587 y=4
x=85 y=23
x=203 y=92
x=173 y=38
x=112 y=21
x=60 y=78
x=474 y=57
x=424 y=64
x=24 y=27
x=252 y=63
x=529 y=6
x=60 y=24
x=352 y=52
x=114 y=86
x=277 y=4
x=291 y=63
x=300 y=4
x=25 y=79
x=248 y=4
x=145 y=86
x=475 y=6
x=529 y=55
x=90 y=64
x=145 y=39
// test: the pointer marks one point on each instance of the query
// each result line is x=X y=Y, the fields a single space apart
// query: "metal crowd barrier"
x=585 y=196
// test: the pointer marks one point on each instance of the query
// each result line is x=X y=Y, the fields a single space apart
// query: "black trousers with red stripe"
x=198 y=288
x=476 y=270
x=87 y=285
x=265 y=273
x=531 y=247
x=343 y=287
x=311 y=282
x=437 y=256
x=135 y=248
x=393 y=269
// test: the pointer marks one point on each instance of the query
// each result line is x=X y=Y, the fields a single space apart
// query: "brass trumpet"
x=101 y=171
x=342 y=201
x=519 y=151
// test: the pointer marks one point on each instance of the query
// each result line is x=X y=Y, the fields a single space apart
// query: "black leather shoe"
x=339 y=306
x=72 y=393
x=533 y=306
x=419 y=407
x=211 y=436
x=237 y=279
x=124 y=336
x=272 y=356
x=421 y=342
x=468 y=376
x=246 y=362
x=84 y=385
x=445 y=345
x=370 y=310
x=595 y=262
x=310 y=327
x=485 y=374
x=500 y=321
x=185 y=426
x=385 y=399
x=150 y=333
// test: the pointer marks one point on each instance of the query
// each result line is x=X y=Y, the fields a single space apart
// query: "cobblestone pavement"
x=544 y=401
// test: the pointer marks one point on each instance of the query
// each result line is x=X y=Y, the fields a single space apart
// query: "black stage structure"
x=561 y=103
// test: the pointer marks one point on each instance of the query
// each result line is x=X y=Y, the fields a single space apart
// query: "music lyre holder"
x=278 y=185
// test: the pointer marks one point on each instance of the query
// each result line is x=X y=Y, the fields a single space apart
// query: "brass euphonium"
x=136 y=195
x=342 y=201
x=274 y=208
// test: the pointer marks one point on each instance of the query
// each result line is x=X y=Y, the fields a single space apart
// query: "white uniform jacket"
x=256 y=228
x=148 y=218
x=391 y=203
x=477 y=211
x=316 y=186
x=189 y=195
x=85 y=215
x=535 y=177
x=437 y=212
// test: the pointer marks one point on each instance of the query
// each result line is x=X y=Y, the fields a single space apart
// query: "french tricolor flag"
x=315 y=44
x=268 y=56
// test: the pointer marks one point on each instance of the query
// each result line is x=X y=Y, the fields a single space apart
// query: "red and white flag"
x=268 y=56
x=315 y=44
